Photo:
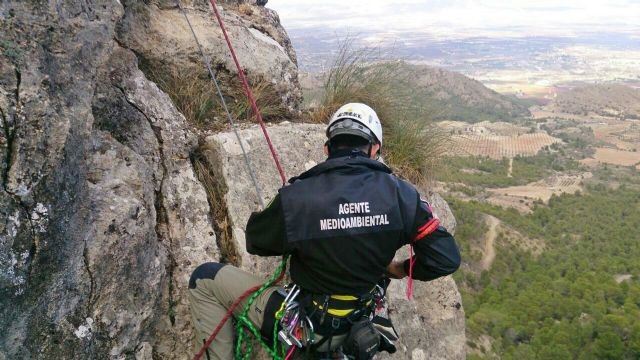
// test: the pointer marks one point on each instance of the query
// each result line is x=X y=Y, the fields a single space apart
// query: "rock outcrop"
x=160 y=36
x=431 y=326
x=103 y=214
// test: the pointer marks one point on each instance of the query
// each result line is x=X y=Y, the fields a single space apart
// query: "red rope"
x=254 y=106
x=228 y=315
x=249 y=94
x=224 y=321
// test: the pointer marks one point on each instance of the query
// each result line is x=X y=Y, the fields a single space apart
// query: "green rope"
x=242 y=321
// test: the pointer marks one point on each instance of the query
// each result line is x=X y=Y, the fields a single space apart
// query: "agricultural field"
x=624 y=135
x=622 y=139
x=524 y=197
x=543 y=209
x=610 y=140
x=495 y=140
x=484 y=127
x=498 y=146
x=613 y=156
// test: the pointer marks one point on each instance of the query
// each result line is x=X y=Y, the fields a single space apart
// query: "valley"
x=574 y=198
x=547 y=201
x=539 y=67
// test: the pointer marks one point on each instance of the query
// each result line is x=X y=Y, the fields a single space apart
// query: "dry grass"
x=413 y=146
x=269 y=102
x=203 y=163
x=195 y=96
x=414 y=149
x=245 y=9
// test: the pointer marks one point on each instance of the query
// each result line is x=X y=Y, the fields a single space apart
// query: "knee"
x=205 y=271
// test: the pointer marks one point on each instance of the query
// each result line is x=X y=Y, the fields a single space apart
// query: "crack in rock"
x=162 y=220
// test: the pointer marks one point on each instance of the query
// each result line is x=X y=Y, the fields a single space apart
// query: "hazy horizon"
x=462 y=18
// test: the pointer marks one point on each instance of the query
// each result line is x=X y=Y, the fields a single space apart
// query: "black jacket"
x=342 y=222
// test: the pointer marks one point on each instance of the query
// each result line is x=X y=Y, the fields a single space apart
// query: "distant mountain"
x=444 y=94
x=454 y=96
x=603 y=99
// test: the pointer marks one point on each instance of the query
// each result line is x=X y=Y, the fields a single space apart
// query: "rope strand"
x=224 y=105
x=242 y=320
x=249 y=94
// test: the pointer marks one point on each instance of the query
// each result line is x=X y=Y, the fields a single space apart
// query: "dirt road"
x=489 y=252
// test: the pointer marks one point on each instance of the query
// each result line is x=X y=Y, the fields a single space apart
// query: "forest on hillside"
x=484 y=172
x=580 y=299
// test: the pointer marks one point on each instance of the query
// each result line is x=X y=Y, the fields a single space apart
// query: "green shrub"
x=567 y=300
x=12 y=52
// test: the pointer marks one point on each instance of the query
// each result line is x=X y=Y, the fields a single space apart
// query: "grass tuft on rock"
x=413 y=145
x=195 y=96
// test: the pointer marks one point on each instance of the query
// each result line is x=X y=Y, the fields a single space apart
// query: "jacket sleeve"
x=265 y=233
x=436 y=252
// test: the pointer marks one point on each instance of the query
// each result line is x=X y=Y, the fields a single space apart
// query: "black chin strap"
x=369 y=149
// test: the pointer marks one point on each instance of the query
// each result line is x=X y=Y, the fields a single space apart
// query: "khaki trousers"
x=211 y=299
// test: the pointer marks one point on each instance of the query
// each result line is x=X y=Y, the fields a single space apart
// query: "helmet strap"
x=370 y=144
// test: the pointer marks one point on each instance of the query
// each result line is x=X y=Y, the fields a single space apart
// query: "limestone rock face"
x=101 y=215
x=160 y=36
x=431 y=326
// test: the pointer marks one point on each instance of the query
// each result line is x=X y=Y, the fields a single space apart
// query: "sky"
x=464 y=17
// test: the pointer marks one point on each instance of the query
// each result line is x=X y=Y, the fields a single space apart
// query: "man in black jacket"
x=342 y=223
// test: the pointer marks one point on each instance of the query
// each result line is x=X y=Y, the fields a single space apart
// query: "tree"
x=608 y=345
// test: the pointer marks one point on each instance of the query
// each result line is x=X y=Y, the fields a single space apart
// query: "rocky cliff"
x=103 y=209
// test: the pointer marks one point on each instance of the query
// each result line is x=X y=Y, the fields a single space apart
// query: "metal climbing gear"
x=296 y=327
x=290 y=319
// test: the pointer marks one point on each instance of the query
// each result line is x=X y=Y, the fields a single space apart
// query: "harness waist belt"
x=340 y=305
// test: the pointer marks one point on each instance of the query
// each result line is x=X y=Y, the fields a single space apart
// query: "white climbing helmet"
x=356 y=119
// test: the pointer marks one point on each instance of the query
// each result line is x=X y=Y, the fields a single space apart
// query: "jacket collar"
x=346 y=160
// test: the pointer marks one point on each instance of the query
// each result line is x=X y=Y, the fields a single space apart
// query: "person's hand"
x=395 y=270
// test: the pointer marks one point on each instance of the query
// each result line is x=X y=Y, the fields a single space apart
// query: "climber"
x=342 y=222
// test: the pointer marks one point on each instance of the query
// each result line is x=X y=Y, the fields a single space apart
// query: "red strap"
x=410 y=281
x=428 y=228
